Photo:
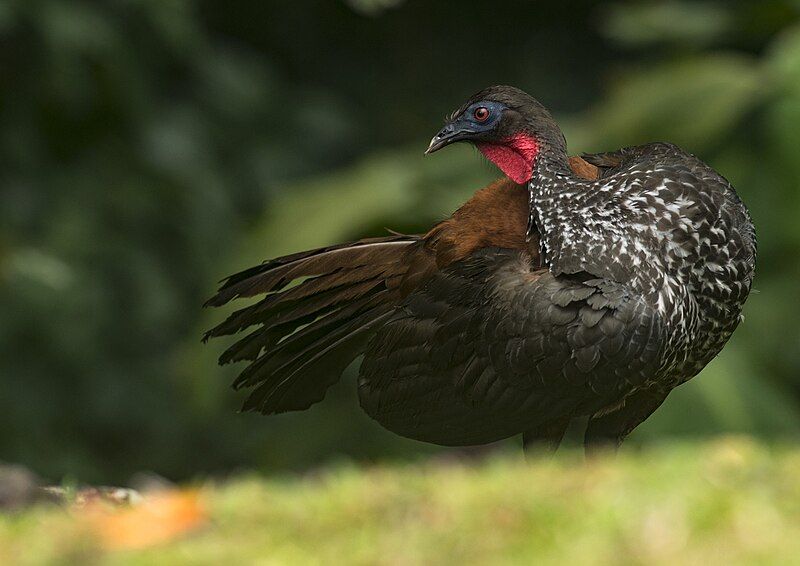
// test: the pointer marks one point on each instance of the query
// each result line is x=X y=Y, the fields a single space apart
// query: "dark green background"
x=150 y=147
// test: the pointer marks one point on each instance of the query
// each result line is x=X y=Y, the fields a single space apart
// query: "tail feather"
x=292 y=347
x=275 y=274
x=292 y=392
x=285 y=318
x=306 y=334
x=301 y=378
x=307 y=297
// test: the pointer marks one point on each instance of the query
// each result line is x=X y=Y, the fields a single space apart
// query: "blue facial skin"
x=495 y=111
x=465 y=126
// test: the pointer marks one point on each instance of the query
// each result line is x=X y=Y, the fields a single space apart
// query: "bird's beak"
x=451 y=133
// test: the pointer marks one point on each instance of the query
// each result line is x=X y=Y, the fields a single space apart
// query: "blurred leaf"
x=694 y=103
x=372 y=7
x=783 y=116
x=157 y=519
x=640 y=24
x=41 y=268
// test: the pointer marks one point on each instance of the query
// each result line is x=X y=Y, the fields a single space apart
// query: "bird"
x=571 y=288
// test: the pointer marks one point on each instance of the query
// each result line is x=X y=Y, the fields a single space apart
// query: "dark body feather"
x=516 y=314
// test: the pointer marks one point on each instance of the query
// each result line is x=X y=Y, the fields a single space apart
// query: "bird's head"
x=510 y=127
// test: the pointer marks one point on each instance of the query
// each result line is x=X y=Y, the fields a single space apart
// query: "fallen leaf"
x=159 y=518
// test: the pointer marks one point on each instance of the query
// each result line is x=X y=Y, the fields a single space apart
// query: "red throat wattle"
x=514 y=157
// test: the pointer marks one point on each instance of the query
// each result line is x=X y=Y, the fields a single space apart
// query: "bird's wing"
x=316 y=312
x=488 y=347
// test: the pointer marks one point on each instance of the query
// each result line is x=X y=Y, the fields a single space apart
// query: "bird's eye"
x=481 y=113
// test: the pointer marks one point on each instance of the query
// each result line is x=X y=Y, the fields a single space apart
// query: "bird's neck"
x=554 y=197
x=550 y=168
x=582 y=228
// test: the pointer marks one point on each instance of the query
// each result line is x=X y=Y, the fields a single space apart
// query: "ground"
x=729 y=501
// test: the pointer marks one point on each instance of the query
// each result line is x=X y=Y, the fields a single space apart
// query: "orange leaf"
x=157 y=519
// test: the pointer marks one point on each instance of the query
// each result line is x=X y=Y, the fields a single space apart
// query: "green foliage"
x=150 y=148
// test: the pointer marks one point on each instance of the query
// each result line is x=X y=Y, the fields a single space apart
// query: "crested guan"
x=573 y=287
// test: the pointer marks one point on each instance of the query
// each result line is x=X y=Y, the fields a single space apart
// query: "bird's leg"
x=544 y=438
x=606 y=431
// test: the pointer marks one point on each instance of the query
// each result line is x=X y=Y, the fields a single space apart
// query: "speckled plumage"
x=591 y=290
x=666 y=224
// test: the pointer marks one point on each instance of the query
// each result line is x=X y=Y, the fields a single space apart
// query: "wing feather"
x=499 y=347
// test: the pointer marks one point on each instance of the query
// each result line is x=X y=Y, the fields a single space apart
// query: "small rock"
x=19 y=487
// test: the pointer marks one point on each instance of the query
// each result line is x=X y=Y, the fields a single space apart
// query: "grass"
x=731 y=501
